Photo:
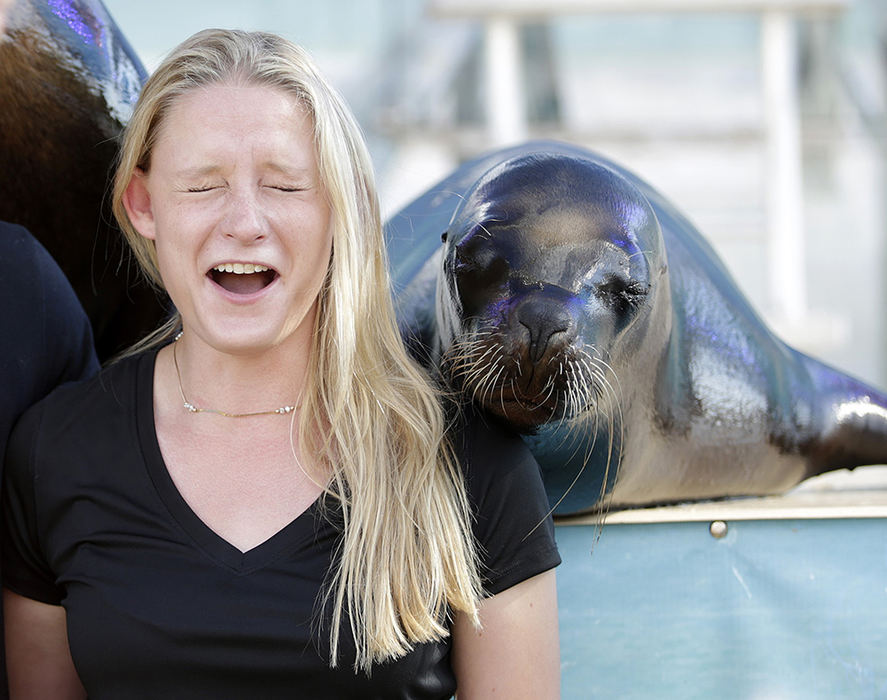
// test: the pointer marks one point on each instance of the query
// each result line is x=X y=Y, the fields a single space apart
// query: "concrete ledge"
x=861 y=493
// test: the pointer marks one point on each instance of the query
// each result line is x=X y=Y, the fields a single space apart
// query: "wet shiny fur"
x=68 y=81
x=572 y=301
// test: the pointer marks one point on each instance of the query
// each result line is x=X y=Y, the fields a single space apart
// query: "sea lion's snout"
x=545 y=321
x=520 y=358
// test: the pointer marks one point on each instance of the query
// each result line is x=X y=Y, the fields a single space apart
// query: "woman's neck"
x=234 y=384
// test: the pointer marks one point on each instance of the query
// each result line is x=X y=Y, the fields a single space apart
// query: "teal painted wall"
x=776 y=609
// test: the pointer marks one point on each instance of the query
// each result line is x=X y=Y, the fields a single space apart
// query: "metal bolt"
x=718 y=529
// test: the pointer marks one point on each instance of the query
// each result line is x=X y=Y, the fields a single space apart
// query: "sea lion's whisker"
x=502 y=399
x=495 y=381
x=488 y=383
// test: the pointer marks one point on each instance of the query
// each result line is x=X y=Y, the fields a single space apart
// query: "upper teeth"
x=240 y=268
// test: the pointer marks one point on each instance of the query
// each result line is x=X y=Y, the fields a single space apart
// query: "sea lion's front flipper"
x=853 y=422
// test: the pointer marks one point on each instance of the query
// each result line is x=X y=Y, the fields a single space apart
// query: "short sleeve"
x=25 y=570
x=513 y=525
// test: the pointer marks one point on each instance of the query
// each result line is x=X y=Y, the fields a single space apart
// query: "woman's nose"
x=245 y=219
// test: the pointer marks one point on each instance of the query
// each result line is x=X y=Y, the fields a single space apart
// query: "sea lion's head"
x=549 y=277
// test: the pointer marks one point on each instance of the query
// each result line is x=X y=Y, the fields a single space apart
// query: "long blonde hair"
x=407 y=554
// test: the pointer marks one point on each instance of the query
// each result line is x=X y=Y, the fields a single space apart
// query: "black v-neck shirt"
x=160 y=606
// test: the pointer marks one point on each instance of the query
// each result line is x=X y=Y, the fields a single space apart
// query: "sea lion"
x=68 y=81
x=572 y=301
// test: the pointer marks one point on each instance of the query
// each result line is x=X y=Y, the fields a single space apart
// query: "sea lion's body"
x=574 y=302
x=68 y=81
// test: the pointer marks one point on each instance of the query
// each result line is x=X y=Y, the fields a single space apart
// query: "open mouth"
x=242 y=278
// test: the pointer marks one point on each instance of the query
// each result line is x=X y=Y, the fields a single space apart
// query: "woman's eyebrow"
x=197 y=171
x=291 y=170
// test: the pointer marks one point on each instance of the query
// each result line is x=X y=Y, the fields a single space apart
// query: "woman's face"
x=235 y=206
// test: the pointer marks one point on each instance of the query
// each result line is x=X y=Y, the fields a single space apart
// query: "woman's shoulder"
x=491 y=453
x=511 y=514
x=115 y=383
x=80 y=407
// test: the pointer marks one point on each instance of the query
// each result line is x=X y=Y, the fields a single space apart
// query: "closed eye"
x=622 y=294
x=283 y=188
x=206 y=188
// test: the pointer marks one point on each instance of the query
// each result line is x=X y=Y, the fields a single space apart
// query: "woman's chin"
x=234 y=334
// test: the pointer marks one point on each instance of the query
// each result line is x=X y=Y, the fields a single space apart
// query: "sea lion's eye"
x=481 y=271
x=621 y=294
x=476 y=254
x=443 y=237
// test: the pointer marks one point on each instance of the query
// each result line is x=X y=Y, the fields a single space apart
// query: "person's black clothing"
x=45 y=337
x=159 y=606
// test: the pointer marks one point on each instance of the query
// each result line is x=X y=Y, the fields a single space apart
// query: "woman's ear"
x=137 y=202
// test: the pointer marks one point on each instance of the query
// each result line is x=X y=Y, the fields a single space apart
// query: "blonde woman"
x=264 y=504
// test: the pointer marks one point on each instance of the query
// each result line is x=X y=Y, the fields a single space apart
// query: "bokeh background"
x=764 y=120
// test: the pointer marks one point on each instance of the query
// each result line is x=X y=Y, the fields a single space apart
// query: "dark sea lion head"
x=553 y=269
x=68 y=82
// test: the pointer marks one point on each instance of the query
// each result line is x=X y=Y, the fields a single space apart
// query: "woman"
x=266 y=506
